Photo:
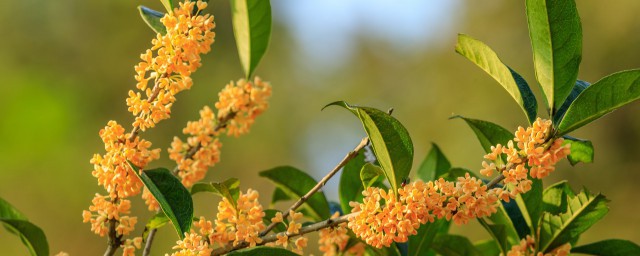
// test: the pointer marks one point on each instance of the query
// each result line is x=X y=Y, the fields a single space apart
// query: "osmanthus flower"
x=240 y=103
x=103 y=210
x=385 y=218
x=333 y=240
x=531 y=153
x=112 y=169
x=130 y=245
x=170 y=62
x=240 y=223
x=193 y=244
x=527 y=248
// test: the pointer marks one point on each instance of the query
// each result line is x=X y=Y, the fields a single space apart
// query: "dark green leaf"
x=602 y=97
x=261 y=251
x=350 y=184
x=279 y=195
x=575 y=92
x=488 y=133
x=229 y=189
x=420 y=244
x=252 y=29
x=581 y=150
x=583 y=211
x=530 y=204
x=611 y=247
x=370 y=174
x=499 y=234
x=434 y=165
x=487 y=247
x=31 y=235
x=454 y=245
x=485 y=58
x=295 y=184
x=152 y=18
x=174 y=199
x=556 y=39
x=389 y=139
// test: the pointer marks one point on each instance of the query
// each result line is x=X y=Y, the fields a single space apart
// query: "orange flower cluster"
x=533 y=154
x=381 y=223
x=177 y=55
x=293 y=228
x=238 y=106
x=203 y=140
x=241 y=103
x=241 y=223
x=333 y=240
x=193 y=244
x=112 y=170
x=527 y=248
x=130 y=245
x=104 y=210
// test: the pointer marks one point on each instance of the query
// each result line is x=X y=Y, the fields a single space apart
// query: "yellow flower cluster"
x=381 y=223
x=104 y=210
x=112 y=170
x=241 y=223
x=177 y=55
x=238 y=106
x=533 y=154
x=527 y=248
x=333 y=240
x=241 y=103
x=293 y=228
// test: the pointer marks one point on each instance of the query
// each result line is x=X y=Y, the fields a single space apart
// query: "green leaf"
x=556 y=39
x=554 y=198
x=279 y=195
x=454 y=245
x=485 y=58
x=252 y=29
x=420 y=244
x=487 y=247
x=529 y=204
x=581 y=150
x=156 y=222
x=583 y=211
x=174 y=199
x=7 y=211
x=152 y=18
x=454 y=173
x=611 y=247
x=350 y=188
x=168 y=5
x=602 y=97
x=229 y=189
x=575 y=92
x=31 y=235
x=261 y=251
x=295 y=183
x=370 y=174
x=434 y=164
x=390 y=141
x=488 y=133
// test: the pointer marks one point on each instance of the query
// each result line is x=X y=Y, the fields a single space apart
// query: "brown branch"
x=321 y=183
x=274 y=237
x=114 y=240
x=147 y=245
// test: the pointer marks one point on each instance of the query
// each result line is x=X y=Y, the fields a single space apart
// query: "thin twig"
x=147 y=246
x=114 y=240
x=274 y=237
x=320 y=184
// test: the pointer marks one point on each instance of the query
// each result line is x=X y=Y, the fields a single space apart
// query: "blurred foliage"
x=67 y=67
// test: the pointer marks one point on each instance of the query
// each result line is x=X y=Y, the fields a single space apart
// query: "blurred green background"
x=66 y=67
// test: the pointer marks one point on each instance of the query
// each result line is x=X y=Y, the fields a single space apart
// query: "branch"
x=320 y=184
x=304 y=230
x=114 y=240
x=147 y=245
